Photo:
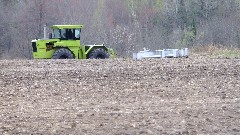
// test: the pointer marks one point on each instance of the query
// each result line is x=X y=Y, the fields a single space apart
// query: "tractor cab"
x=66 y=32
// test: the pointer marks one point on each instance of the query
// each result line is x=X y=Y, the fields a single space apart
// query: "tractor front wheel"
x=63 y=53
x=98 y=54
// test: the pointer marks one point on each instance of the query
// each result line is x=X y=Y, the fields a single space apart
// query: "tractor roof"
x=66 y=26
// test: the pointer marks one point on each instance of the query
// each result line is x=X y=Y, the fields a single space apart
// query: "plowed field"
x=120 y=96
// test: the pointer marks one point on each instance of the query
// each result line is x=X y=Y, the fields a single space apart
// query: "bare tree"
x=127 y=25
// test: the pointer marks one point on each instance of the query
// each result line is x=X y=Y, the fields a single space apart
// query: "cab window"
x=66 y=34
x=56 y=33
x=63 y=33
x=77 y=33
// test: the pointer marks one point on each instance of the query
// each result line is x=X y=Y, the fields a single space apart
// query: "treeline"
x=125 y=25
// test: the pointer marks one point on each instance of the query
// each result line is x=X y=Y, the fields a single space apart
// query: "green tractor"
x=64 y=43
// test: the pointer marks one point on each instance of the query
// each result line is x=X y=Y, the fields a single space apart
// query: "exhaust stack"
x=45 y=32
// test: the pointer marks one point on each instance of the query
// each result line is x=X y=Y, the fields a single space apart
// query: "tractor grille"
x=34 y=46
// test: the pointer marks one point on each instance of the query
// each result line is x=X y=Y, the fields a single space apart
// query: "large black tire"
x=63 y=53
x=98 y=54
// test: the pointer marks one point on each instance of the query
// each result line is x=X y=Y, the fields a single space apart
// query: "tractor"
x=64 y=43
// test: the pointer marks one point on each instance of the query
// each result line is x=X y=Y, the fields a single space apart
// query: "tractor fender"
x=90 y=48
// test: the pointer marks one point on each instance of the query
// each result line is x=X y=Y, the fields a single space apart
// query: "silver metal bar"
x=165 y=53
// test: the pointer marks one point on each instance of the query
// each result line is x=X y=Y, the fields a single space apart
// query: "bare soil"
x=120 y=96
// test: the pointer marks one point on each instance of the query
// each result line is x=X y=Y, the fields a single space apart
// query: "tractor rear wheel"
x=98 y=54
x=63 y=53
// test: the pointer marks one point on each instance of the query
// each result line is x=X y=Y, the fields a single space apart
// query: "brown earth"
x=121 y=96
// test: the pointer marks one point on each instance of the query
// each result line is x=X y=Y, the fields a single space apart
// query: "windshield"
x=56 y=33
x=67 y=34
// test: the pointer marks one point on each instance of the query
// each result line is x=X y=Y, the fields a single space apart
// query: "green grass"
x=231 y=53
x=212 y=51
